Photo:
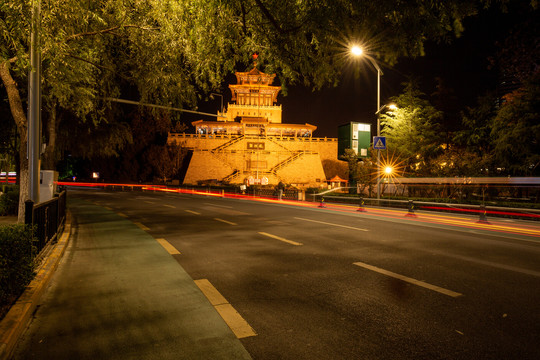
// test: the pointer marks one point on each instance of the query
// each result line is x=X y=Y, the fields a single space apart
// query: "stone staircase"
x=227 y=144
x=285 y=162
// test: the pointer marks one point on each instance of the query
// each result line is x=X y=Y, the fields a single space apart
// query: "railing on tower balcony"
x=233 y=136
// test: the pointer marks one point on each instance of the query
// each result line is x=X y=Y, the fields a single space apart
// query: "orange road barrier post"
x=410 y=208
x=361 y=207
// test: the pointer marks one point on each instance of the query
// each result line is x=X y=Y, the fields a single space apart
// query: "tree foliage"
x=413 y=130
x=516 y=130
x=171 y=51
x=501 y=135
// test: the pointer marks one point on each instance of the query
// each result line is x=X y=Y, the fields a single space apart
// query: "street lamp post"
x=357 y=51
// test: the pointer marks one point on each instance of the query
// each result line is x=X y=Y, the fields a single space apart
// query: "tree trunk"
x=17 y=111
x=48 y=161
x=24 y=184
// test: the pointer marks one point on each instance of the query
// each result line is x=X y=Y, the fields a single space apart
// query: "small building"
x=337 y=182
x=249 y=144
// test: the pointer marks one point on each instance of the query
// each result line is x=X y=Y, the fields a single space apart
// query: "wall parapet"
x=231 y=136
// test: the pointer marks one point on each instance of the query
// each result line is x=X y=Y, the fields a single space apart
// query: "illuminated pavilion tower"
x=254 y=110
x=249 y=144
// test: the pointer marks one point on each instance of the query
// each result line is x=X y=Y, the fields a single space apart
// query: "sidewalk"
x=117 y=294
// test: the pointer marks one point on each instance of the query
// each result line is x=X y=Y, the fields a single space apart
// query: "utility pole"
x=34 y=103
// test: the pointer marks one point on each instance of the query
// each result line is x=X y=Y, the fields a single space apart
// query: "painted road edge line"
x=225 y=221
x=327 y=223
x=223 y=206
x=169 y=206
x=281 y=239
x=192 y=212
x=168 y=246
x=409 y=280
x=234 y=320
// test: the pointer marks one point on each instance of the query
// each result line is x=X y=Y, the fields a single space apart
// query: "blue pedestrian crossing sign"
x=379 y=142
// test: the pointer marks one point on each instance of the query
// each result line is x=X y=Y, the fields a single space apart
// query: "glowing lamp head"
x=357 y=50
x=388 y=170
x=392 y=107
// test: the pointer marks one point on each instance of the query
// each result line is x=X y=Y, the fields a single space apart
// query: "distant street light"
x=357 y=51
x=221 y=96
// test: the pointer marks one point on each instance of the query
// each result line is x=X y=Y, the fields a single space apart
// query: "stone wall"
x=235 y=158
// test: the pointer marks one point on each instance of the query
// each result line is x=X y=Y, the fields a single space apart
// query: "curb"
x=19 y=315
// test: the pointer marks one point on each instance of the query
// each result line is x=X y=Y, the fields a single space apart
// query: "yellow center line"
x=281 y=239
x=409 y=280
x=168 y=246
x=143 y=227
x=327 y=223
x=122 y=214
x=225 y=221
x=149 y=202
x=170 y=206
x=192 y=212
x=107 y=207
x=234 y=320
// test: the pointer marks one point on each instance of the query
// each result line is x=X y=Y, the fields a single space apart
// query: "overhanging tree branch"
x=105 y=31
x=101 y=67
x=269 y=16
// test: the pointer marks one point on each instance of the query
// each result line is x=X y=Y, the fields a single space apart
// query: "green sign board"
x=355 y=136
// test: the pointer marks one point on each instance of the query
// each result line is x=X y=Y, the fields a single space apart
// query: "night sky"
x=463 y=65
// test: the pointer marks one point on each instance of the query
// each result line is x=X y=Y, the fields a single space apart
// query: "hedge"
x=9 y=200
x=17 y=266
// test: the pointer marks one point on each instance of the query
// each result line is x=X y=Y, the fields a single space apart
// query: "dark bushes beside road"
x=9 y=200
x=17 y=266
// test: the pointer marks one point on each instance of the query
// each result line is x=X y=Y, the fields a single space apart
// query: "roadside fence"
x=481 y=210
x=48 y=217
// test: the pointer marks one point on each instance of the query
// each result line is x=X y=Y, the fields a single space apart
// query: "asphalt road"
x=334 y=283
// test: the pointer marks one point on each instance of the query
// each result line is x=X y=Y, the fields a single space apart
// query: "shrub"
x=9 y=200
x=16 y=261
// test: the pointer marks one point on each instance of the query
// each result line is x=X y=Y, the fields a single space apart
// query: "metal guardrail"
x=48 y=218
x=481 y=210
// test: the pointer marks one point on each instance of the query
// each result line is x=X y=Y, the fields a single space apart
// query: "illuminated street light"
x=388 y=170
x=357 y=51
x=386 y=106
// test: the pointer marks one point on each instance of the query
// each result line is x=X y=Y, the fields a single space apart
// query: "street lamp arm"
x=389 y=106
x=381 y=109
x=374 y=63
